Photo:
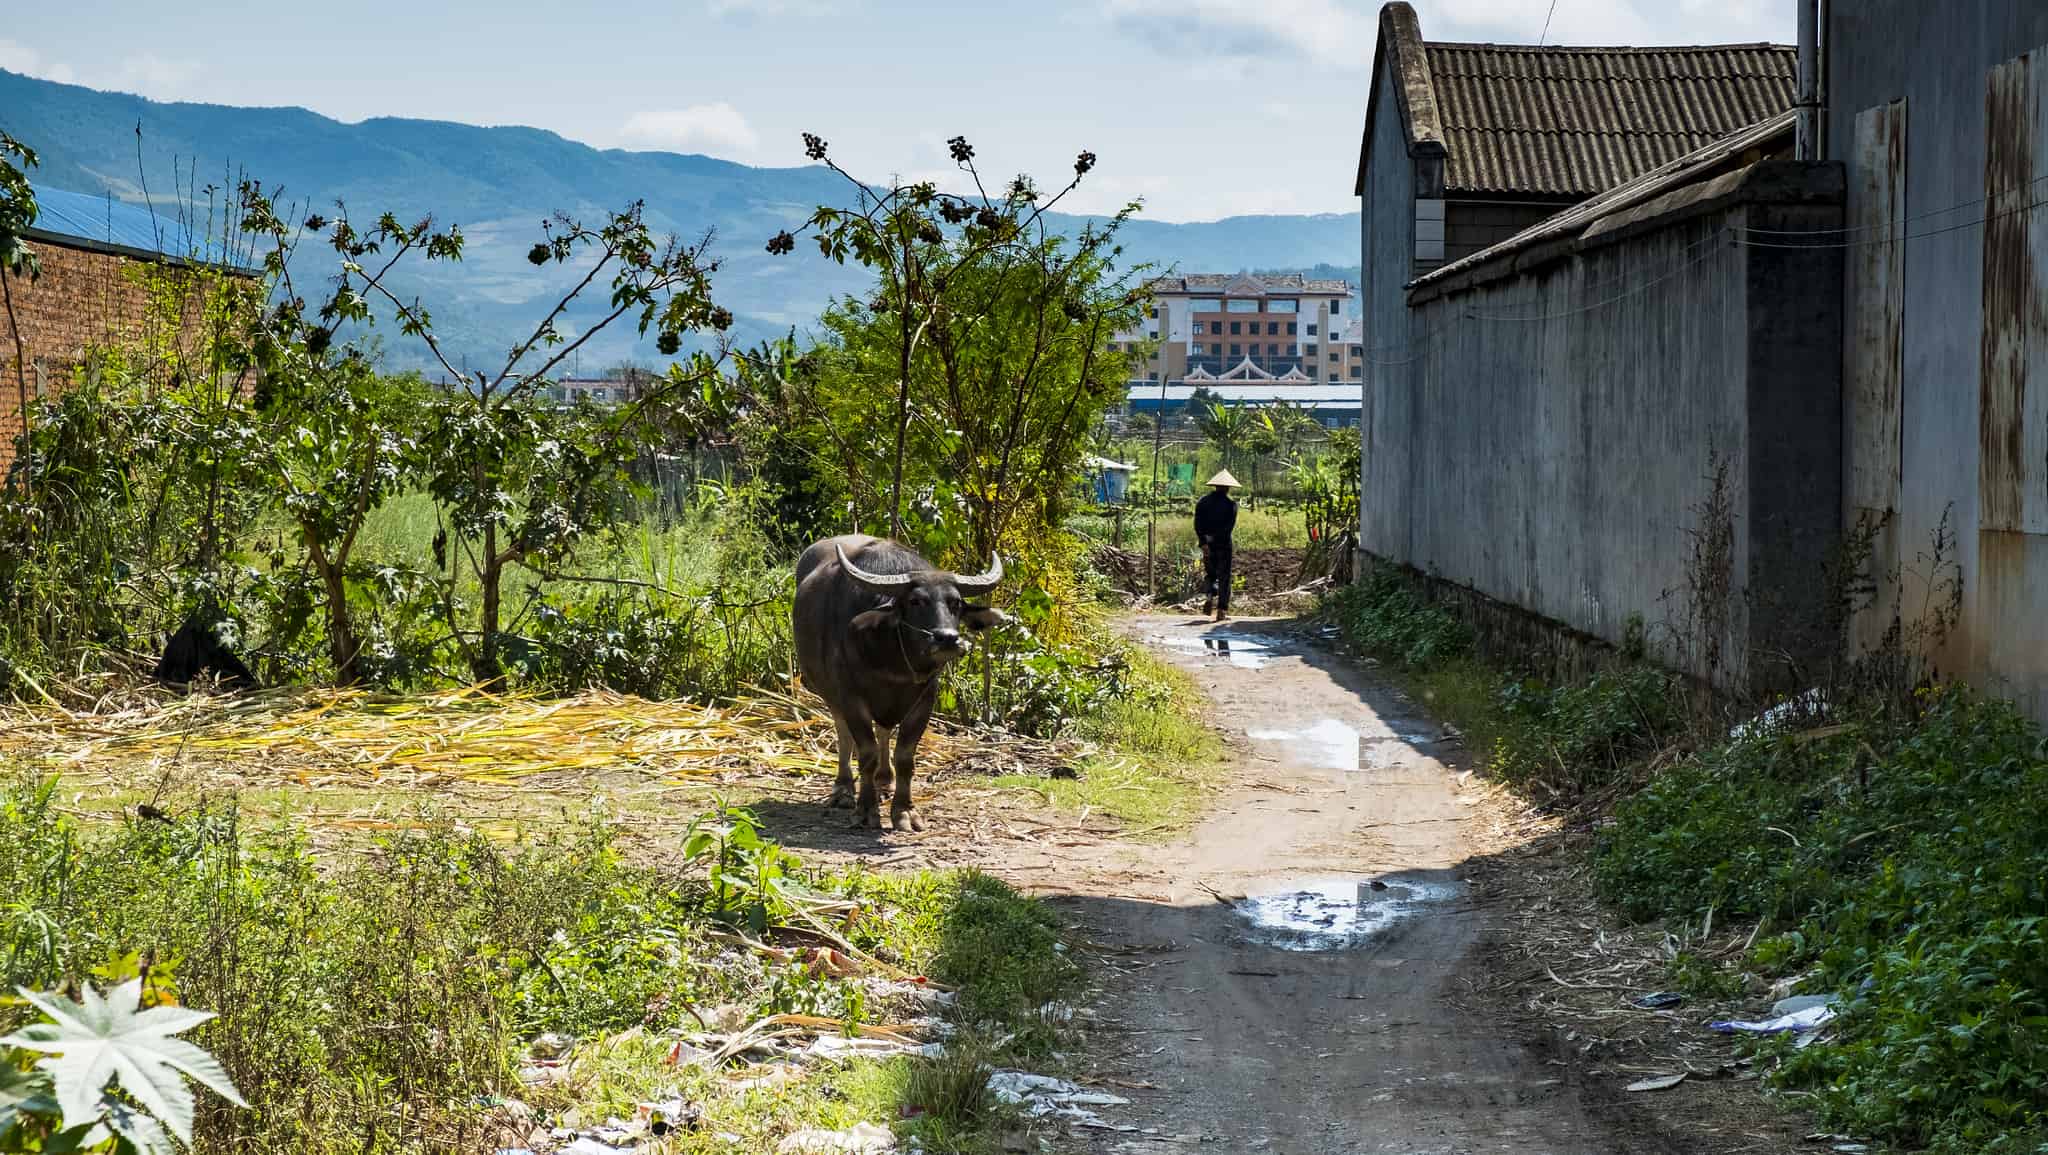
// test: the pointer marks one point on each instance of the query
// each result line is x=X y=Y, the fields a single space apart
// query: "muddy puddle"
x=1335 y=914
x=1326 y=743
x=1241 y=650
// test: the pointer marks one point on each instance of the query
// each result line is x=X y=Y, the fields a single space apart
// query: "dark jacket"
x=1215 y=517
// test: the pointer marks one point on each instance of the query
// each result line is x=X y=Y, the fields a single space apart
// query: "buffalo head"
x=928 y=608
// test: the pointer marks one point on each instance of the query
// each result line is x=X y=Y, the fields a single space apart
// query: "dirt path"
x=1287 y=977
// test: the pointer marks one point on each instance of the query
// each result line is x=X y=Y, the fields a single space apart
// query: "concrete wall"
x=1387 y=240
x=1946 y=403
x=1551 y=445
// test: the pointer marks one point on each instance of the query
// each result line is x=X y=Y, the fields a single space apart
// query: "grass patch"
x=1556 y=741
x=1158 y=755
x=384 y=1000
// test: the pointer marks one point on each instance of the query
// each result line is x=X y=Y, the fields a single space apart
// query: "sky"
x=1202 y=108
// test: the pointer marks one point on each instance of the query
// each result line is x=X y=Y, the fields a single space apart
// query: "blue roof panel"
x=103 y=222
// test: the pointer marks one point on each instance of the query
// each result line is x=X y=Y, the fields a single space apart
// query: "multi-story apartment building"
x=1246 y=327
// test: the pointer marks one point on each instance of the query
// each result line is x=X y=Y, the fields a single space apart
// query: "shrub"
x=1910 y=859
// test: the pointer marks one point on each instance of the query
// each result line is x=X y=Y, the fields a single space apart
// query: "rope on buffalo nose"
x=905 y=650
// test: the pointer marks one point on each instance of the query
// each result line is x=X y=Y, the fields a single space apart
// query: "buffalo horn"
x=982 y=581
x=875 y=581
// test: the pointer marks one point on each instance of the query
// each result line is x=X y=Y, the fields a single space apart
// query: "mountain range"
x=499 y=184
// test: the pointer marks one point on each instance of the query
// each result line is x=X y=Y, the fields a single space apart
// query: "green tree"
x=980 y=361
x=17 y=214
x=1224 y=425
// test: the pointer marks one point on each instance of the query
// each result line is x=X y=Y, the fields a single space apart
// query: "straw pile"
x=352 y=738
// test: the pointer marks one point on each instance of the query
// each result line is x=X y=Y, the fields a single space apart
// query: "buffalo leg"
x=869 y=747
x=902 y=814
x=842 y=787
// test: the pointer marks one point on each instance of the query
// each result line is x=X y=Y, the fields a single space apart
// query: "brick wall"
x=85 y=300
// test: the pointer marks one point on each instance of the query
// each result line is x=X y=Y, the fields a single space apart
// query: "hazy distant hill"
x=498 y=183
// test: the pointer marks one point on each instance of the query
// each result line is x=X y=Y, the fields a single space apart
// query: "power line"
x=1546 y=24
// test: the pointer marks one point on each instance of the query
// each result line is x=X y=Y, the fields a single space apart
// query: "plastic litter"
x=1797 y=1003
x=1809 y=1017
x=1042 y=1095
x=841 y=1047
x=855 y=1140
x=1657 y=1083
x=1659 y=1001
x=1811 y=704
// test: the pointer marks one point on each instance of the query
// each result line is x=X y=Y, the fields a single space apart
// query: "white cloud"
x=147 y=74
x=156 y=76
x=1324 y=31
x=18 y=57
x=721 y=8
x=715 y=129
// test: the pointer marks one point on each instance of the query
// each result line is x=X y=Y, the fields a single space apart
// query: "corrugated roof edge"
x=105 y=225
x=1498 y=260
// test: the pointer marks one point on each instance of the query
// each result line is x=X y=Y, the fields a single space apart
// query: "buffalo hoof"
x=842 y=797
x=870 y=818
x=905 y=819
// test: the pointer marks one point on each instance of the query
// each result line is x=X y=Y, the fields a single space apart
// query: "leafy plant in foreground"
x=65 y=1103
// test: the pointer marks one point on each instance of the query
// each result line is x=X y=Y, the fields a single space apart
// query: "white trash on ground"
x=1042 y=1095
x=859 y=1139
x=1795 y=1015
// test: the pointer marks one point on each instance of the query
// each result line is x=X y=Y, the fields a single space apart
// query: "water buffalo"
x=875 y=624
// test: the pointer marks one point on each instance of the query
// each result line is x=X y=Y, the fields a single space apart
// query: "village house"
x=91 y=294
x=1834 y=307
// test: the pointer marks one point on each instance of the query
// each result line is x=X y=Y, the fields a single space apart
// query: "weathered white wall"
x=1918 y=411
x=1552 y=463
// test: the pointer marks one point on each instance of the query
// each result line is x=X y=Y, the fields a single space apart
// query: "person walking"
x=1215 y=517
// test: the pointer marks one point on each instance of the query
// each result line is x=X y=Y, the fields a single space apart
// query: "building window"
x=1242 y=305
x=1234 y=351
x=1215 y=350
x=1272 y=328
x=1283 y=306
x=1205 y=305
x=1198 y=328
x=1308 y=350
x=1151 y=334
x=1311 y=328
x=1236 y=327
x=1290 y=328
x=1333 y=307
x=1158 y=310
x=1357 y=372
x=1333 y=355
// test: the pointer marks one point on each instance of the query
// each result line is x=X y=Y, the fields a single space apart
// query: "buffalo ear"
x=874 y=619
x=982 y=617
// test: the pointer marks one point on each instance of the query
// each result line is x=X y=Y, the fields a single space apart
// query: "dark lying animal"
x=194 y=650
x=875 y=624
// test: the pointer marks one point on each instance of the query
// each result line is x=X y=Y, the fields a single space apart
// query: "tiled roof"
x=1218 y=283
x=1770 y=136
x=1578 y=121
x=1567 y=123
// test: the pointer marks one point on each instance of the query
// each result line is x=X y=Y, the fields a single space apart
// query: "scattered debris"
x=1808 y=1016
x=1042 y=1095
x=855 y=1140
x=1659 y=1001
x=1658 y=1083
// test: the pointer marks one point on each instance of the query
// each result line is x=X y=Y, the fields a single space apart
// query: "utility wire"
x=1546 y=24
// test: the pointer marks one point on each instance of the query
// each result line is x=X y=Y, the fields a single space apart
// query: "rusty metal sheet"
x=1874 y=368
x=1877 y=207
x=2010 y=287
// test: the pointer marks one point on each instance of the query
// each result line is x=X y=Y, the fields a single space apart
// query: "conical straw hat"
x=1223 y=478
